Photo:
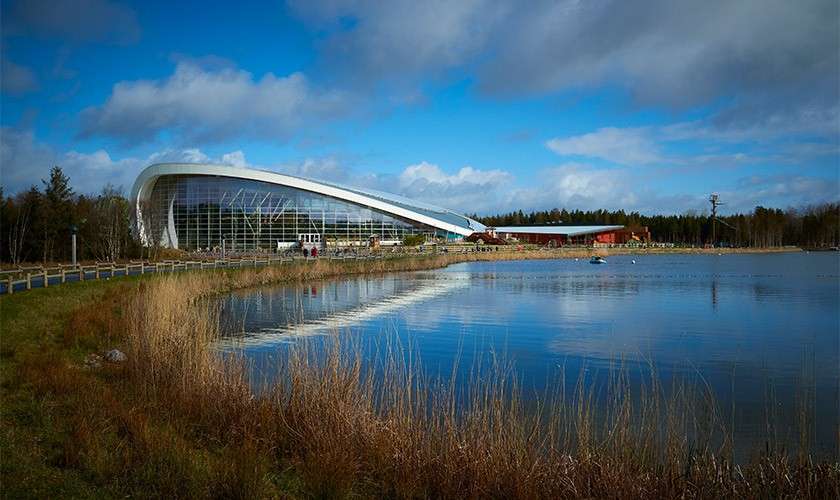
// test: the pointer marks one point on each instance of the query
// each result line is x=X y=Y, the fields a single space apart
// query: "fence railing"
x=27 y=278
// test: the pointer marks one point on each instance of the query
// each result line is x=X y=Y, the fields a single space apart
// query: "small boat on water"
x=597 y=260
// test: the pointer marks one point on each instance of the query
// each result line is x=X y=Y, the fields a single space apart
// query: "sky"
x=479 y=106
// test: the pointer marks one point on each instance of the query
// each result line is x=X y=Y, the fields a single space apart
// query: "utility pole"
x=714 y=199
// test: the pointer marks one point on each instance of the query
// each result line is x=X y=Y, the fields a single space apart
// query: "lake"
x=761 y=330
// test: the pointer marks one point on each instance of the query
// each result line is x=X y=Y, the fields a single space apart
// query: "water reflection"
x=758 y=329
x=340 y=306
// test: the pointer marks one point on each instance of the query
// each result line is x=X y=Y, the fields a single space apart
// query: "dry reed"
x=342 y=426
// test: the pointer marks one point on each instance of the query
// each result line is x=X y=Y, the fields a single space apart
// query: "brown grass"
x=336 y=429
x=179 y=420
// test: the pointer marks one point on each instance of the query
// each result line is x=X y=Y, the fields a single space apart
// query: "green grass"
x=33 y=426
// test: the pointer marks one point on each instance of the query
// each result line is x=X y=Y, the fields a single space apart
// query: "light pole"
x=73 y=230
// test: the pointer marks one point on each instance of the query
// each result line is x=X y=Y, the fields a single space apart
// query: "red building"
x=572 y=235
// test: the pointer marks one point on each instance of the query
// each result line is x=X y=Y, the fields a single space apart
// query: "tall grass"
x=338 y=424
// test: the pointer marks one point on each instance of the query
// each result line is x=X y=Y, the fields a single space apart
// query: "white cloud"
x=209 y=102
x=700 y=143
x=583 y=186
x=189 y=155
x=426 y=173
x=626 y=146
x=236 y=159
x=26 y=161
x=468 y=190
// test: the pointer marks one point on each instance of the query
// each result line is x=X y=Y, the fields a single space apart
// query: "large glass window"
x=196 y=213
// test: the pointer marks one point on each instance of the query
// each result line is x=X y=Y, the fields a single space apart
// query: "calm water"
x=747 y=325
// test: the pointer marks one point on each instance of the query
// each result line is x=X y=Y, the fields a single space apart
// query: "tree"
x=57 y=213
x=109 y=220
x=19 y=213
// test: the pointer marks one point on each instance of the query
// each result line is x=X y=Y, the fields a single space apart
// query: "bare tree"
x=21 y=218
x=148 y=227
x=111 y=221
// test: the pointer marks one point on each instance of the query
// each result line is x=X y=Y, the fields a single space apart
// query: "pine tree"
x=57 y=213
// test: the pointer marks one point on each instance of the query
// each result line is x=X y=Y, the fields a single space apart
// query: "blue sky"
x=478 y=106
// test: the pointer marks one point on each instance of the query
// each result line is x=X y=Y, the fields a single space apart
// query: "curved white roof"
x=558 y=230
x=430 y=215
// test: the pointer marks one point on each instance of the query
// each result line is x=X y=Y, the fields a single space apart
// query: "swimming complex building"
x=204 y=207
x=200 y=207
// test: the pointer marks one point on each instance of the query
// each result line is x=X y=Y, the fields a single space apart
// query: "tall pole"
x=714 y=199
x=73 y=230
x=714 y=215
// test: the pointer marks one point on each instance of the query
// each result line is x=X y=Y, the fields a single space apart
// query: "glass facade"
x=195 y=213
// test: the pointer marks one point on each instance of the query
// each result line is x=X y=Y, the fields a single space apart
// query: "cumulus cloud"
x=202 y=103
x=468 y=189
x=76 y=20
x=25 y=161
x=626 y=146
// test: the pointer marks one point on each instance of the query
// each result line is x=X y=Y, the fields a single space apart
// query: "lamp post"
x=73 y=230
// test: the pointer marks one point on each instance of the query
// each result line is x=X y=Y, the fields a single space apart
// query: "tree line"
x=36 y=224
x=816 y=226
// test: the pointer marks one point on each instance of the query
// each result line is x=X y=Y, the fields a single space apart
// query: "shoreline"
x=563 y=251
x=702 y=251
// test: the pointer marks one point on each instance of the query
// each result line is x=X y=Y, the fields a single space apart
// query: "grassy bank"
x=176 y=420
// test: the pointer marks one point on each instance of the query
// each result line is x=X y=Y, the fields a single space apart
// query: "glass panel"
x=196 y=213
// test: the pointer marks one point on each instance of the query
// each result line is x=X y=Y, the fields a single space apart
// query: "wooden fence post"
x=63 y=275
x=11 y=288
x=46 y=278
x=29 y=281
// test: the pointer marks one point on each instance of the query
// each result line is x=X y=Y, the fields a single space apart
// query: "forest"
x=36 y=224
x=816 y=226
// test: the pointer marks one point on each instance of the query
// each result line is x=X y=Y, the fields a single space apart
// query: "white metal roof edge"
x=559 y=230
x=142 y=188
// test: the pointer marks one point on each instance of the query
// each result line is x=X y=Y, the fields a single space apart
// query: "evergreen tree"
x=57 y=215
